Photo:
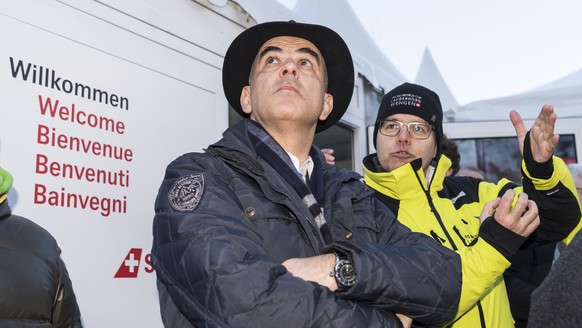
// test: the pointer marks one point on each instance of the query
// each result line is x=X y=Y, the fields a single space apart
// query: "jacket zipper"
x=454 y=247
x=434 y=211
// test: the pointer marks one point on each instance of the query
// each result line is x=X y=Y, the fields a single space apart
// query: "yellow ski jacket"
x=449 y=209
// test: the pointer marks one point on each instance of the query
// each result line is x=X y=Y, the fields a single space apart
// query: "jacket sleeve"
x=214 y=265
x=551 y=186
x=572 y=234
x=405 y=272
x=65 y=309
x=483 y=264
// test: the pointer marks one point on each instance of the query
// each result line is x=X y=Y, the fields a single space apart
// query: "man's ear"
x=245 y=99
x=327 y=106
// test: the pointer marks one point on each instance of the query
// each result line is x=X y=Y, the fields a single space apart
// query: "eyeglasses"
x=416 y=130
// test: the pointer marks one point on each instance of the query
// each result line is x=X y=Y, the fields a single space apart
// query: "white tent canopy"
x=564 y=94
x=430 y=77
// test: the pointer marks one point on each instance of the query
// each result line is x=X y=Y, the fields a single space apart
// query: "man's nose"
x=403 y=135
x=289 y=68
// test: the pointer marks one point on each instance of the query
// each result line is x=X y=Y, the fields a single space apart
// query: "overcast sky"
x=488 y=50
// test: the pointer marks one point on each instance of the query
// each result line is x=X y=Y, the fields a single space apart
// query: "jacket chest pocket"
x=354 y=219
x=282 y=234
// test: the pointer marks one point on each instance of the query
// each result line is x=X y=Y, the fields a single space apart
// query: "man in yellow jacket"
x=408 y=175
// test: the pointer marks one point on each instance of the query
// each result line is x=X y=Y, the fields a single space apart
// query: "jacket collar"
x=400 y=183
x=236 y=141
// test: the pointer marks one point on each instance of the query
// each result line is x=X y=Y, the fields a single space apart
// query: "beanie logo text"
x=406 y=99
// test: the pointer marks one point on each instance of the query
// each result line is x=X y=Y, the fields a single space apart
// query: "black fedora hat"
x=243 y=50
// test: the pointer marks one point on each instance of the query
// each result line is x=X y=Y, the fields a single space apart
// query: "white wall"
x=164 y=58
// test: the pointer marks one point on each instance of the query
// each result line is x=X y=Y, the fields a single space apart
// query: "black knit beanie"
x=415 y=100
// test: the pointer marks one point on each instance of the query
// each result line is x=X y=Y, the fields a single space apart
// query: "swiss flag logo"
x=130 y=265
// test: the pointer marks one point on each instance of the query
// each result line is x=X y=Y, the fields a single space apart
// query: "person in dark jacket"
x=556 y=302
x=258 y=231
x=35 y=289
x=529 y=267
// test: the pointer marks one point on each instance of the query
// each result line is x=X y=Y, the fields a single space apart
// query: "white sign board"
x=87 y=134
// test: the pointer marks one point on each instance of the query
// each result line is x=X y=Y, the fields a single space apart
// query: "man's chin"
x=396 y=164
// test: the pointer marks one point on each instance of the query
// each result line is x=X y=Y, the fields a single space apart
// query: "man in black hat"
x=408 y=174
x=258 y=231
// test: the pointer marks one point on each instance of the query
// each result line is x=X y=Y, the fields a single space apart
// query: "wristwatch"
x=343 y=272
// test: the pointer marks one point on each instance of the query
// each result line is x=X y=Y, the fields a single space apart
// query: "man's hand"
x=315 y=268
x=522 y=219
x=542 y=137
x=328 y=153
x=406 y=321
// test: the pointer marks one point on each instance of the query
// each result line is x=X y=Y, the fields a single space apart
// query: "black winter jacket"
x=35 y=289
x=225 y=221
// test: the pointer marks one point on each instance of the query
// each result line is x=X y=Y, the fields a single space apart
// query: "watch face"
x=345 y=274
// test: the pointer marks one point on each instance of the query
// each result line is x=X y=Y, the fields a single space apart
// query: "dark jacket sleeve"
x=215 y=268
x=65 y=311
x=551 y=186
x=405 y=272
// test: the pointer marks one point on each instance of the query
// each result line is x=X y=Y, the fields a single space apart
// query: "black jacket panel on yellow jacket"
x=449 y=210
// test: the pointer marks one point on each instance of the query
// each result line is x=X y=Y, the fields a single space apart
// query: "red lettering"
x=39 y=191
x=42 y=134
x=149 y=268
x=41 y=161
x=52 y=109
x=48 y=104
